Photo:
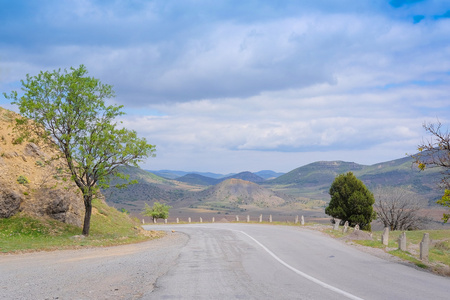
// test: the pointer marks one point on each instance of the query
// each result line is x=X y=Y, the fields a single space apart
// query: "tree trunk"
x=87 y=214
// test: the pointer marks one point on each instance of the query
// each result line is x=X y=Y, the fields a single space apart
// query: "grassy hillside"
x=206 y=181
x=316 y=173
x=314 y=180
x=403 y=173
x=108 y=227
x=248 y=176
x=309 y=183
x=198 y=179
x=149 y=188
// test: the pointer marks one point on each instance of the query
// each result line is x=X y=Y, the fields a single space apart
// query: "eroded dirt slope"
x=31 y=180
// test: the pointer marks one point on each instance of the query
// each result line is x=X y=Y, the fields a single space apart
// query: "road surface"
x=218 y=261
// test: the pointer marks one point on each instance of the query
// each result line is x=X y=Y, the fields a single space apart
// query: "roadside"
x=110 y=227
x=23 y=233
x=439 y=252
x=120 y=272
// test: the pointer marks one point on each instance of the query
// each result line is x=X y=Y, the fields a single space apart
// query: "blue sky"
x=230 y=86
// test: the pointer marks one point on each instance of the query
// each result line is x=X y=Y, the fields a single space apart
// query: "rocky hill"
x=31 y=181
x=234 y=194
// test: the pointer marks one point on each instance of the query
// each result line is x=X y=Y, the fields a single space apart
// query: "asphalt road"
x=240 y=261
x=217 y=261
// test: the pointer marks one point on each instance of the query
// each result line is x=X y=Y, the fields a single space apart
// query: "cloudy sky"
x=230 y=86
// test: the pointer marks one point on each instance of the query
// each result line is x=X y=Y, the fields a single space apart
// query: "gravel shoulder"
x=120 y=272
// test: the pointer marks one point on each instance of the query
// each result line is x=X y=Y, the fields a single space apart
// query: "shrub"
x=22 y=179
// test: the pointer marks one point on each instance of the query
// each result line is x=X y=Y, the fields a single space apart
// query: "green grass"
x=108 y=227
x=439 y=253
x=405 y=255
x=371 y=243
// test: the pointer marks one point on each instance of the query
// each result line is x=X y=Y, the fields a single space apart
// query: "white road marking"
x=315 y=280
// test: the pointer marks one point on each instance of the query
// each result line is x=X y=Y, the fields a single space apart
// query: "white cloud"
x=275 y=88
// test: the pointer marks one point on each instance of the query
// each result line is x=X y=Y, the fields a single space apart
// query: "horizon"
x=262 y=170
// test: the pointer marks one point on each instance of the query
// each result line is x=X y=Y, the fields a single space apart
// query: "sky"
x=229 y=86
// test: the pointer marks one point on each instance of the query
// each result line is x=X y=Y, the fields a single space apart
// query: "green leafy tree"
x=157 y=211
x=69 y=108
x=445 y=201
x=351 y=201
x=435 y=153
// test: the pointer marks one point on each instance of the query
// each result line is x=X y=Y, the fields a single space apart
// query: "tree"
x=125 y=211
x=68 y=108
x=445 y=201
x=435 y=153
x=158 y=211
x=351 y=201
x=398 y=208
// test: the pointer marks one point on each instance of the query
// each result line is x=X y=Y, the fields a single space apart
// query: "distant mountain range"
x=249 y=191
x=171 y=174
x=235 y=194
x=204 y=180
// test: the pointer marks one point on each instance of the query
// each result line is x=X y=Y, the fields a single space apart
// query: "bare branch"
x=398 y=208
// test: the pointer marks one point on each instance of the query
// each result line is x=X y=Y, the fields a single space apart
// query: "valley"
x=303 y=190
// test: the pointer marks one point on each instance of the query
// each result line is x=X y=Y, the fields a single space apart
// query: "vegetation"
x=398 y=208
x=109 y=227
x=69 y=107
x=22 y=179
x=439 y=254
x=435 y=153
x=445 y=201
x=157 y=211
x=125 y=211
x=351 y=201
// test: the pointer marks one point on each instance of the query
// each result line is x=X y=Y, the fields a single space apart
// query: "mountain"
x=248 y=176
x=403 y=173
x=150 y=188
x=316 y=173
x=268 y=174
x=303 y=185
x=171 y=174
x=198 y=179
x=233 y=194
x=193 y=191
x=314 y=180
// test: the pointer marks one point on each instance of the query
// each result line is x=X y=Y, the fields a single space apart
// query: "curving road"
x=240 y=261
x=217 y=261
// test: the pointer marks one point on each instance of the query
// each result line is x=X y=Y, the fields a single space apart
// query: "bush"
x=22 y=179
